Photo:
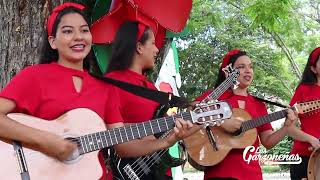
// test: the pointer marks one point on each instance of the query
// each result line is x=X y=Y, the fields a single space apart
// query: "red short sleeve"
x=24 y=89
x=297 y=95
x=262 y=112
x=113 y=107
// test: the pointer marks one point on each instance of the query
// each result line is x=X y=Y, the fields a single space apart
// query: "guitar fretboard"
x=263 y=120
x=225 y=85
x=103 y=139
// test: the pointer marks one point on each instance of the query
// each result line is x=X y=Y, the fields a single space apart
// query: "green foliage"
x=274 y=15
x=270 y=169
x=271 y=31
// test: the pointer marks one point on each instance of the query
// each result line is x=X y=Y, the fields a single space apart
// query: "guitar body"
x=41 y=167
x=88 y=130
x=202 y=153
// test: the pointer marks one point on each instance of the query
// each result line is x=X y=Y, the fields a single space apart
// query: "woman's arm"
x=270 y=138
x=45 y=142
x=150 y=144
x=299 y=135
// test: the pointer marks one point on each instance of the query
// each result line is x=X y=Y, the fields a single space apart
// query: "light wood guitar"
x=85 y=128
x=203 y=152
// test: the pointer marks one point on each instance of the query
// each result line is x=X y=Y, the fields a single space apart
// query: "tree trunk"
x=22 y=29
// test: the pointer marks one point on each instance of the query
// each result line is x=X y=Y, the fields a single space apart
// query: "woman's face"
x=316 y=69
x=148 y=51
x=244 y=64
x=73 y=38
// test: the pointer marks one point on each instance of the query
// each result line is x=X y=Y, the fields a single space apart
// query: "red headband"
x=314 y=56
x=141 y=29
x=56 y=11
x=226 y=59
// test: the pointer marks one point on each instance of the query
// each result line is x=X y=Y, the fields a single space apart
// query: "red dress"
x=309 y=124
x=47 y=91
x=233 y=166
x=132 y=108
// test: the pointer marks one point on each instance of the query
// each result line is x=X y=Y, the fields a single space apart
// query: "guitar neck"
x=225 y=85
x=247 y=125
x=103 y=139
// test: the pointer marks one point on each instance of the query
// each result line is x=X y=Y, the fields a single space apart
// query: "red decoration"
x=314 y=56
x=226 y=59
x=158 y=15
x=141 y=29
x=56 y=11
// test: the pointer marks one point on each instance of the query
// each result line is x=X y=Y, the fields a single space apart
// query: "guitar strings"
x=144 y=158
x=149 y=159
x=35 y=153
x=224 y=86
x=141 y=172
x=77 y=141
x=150 y=162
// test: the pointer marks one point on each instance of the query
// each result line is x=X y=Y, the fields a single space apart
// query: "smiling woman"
x=73 y=39
x=240 y=98
x=69 y=39
x=58 y=84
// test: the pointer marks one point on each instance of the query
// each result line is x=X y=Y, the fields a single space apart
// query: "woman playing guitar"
x=60 y=83
x=309 y=134
x=234 y=166
x=134 y=52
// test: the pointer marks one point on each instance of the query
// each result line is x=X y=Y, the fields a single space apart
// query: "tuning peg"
x=218 y=122
x=213 y=124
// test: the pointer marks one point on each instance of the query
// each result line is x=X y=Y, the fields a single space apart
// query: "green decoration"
x=102 y=53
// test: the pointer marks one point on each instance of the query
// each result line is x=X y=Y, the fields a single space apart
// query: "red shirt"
x=132 y=108
x=309 y=124
x=233 y=165
x=47 y=91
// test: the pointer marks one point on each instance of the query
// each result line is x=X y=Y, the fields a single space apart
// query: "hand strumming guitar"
x=55 y=146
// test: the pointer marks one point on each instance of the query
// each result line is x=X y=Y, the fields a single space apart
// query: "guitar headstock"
x=307 y=107
x=232 y=74
x=211 y=113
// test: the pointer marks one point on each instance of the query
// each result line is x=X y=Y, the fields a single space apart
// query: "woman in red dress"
x=134 y=53
x=309 y=132
x=60 y=83
x=234 y=166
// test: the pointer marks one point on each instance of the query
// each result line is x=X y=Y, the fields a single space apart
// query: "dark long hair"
x=124 y=46
x=51 y=55
x=308 y=76
x=233 y=59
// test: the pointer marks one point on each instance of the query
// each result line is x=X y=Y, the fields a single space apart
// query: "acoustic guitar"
x=203 y=153
x=86 y=129
x=154 y=166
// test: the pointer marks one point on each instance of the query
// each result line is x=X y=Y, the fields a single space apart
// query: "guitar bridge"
x=21 y=160
x=211 y=138
x=130 y=173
